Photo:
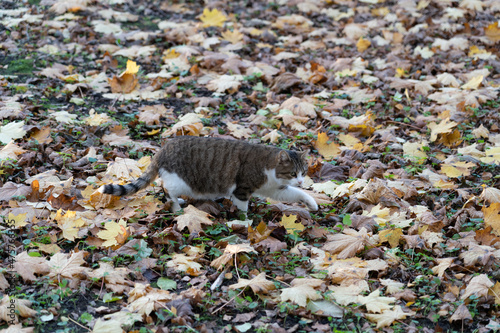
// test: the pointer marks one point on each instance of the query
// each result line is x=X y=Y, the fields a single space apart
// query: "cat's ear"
x=283 y=156
x=303 y=154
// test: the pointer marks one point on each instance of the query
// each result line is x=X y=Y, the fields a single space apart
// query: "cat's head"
x=291 y=168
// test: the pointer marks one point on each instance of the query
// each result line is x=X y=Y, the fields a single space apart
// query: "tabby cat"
x=210 y=168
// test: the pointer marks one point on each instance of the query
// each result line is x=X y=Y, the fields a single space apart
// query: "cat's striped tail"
x=131 y=188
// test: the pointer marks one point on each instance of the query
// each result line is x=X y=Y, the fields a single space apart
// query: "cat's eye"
x=294 y=174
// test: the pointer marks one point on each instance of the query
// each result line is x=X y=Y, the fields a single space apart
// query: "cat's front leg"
x=293 y=194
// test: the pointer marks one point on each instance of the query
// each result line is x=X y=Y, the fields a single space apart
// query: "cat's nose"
x=299 y=181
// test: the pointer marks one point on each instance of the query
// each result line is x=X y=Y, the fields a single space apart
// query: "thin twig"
x=77 y=323
x=241 y=292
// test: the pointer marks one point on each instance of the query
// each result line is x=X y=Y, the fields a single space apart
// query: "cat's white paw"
x=311 y=204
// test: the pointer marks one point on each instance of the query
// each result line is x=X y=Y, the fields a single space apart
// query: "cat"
x=211 y=168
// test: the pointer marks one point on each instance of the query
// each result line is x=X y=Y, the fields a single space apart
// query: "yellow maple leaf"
x=132 y=67
x=114 y=234
x=212 y=18
x=492 y=31
x=69 y=223
x=327 y=150
x=363 y=44
x=17 y=221
x=492 y=217
x=457 y=169
x=445 y=126
x=473 y=83
x=290 y=224
x=170 y=54
x=234 y=36
x=492 y=156
x=391 y=236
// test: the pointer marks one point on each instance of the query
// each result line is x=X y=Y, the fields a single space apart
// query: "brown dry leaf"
x=185 y=263
x=445 y=126
x=495 y=292
x=478 y=286
x=327 y=150
x=188 y=124
x=193 y=219
x=347 y=244
x=10 y=190
x=124 y=84
x=42 y=135
x=492 y=217
x=490 y=194
x=258 y=284
x=239 y=131
x=20 y=305
x=299 y=107
x=230 y=251
x=234 y=36
x=28 y=266
x=443 y=264
x=67 y=265
x=461 y=313
x=147 y=299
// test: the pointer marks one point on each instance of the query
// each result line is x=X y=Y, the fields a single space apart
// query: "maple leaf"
x=392 y=286
x=212 y=18
x=495 y=292
x=299 y=107
x=300 y=294
x=65 y=265
x=477 y=286
x=348 y=294
x=234 y=36
x=258 y=284
x=239 y=131
x=327 y=150
x=461 y=313
x=347 y=244
x=185 y=263
x=389 y=316
x=64 y=117
x=146 y=302
x=445 y=126
x=28 y=266
x=22 y=306
x=391 y=236
x=376 y=303
x=17 y=221
x=97 y=119
x=443 y=264
x=492 y=217
x=363 y=44
x=230 y=251
x=225 y=83
x=11 y=150
x=193 y=218
x=492 y=156
x=188 y=124
x=12 y=131
x=69 y=223
x=291 y=225
x=115 y=233
x=492 y=31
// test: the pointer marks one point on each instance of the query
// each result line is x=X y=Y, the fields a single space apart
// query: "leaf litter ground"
x=396 y=101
